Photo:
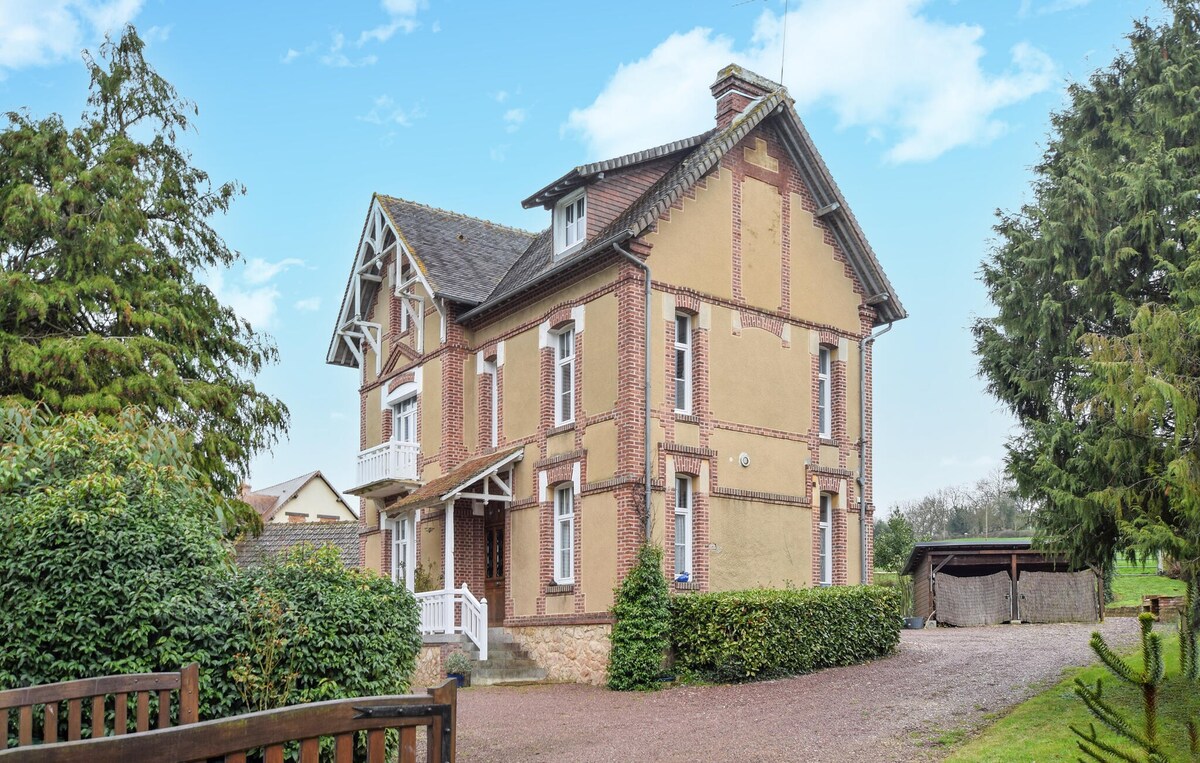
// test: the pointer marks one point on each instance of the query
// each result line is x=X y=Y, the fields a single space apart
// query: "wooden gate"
x=89 y=696
x=344 y=723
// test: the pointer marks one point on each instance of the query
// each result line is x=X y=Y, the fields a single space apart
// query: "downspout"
x=862 y=446
x=646 y=382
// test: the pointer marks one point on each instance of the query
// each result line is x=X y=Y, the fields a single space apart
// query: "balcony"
x=387 y=469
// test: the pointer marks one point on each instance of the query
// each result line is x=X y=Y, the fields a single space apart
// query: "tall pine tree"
x=103 y=229
x=1094 y=347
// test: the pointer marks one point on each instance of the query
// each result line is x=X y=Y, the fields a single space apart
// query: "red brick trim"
x=754 y=495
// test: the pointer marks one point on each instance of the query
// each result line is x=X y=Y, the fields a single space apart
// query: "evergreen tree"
x=103 y=229
x=1093 y=347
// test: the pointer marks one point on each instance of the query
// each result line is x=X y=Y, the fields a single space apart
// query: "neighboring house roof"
x=277 y=538
x=455 y=481
x=269 y=500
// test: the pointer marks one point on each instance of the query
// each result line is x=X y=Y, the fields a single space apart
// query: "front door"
x=493 y=562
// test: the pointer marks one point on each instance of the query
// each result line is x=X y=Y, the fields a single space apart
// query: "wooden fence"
x=90 y=696
x=296 y=731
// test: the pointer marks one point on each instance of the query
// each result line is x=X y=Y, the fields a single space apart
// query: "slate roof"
x=463 y=257
x=269 y=500
x=277 y=538
x=430 y=494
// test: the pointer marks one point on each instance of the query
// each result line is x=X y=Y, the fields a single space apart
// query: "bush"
x=639 y=634
x=111 y=561
x=752 y=635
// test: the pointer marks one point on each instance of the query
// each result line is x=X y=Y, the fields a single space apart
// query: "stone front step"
x=507 y=663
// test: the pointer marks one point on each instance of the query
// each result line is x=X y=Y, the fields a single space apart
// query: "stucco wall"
x=524 y=578
x=759 y=545
x=692 y=247
x=598 y=528
x=314 y=501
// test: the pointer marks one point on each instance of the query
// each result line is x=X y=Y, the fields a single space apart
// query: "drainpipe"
x=862 y=442
x=646 y=382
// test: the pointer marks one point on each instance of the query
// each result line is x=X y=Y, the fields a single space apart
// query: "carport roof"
x=974 y=544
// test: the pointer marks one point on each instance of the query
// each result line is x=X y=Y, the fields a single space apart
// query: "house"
x=692 y=332
x=278 y=537
x=307 y=498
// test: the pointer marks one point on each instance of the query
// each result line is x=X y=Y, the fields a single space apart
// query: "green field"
x=1038 y=730
x=1133 y=581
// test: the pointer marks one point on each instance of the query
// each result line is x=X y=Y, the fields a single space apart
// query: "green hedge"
x=752 y=635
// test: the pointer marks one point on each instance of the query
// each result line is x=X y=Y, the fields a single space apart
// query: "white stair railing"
x=455 y=611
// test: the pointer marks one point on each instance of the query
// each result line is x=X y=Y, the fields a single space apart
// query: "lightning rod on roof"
x=783 y=42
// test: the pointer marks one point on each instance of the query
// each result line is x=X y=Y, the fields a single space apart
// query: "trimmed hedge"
x=639 y=633
x=753 y=635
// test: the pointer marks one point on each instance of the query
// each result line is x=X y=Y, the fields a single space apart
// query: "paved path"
x=889 y=710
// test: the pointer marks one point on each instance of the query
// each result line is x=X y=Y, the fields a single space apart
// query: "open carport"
x=987 y=582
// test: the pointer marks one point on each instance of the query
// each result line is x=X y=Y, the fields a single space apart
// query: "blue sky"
x=929 y=115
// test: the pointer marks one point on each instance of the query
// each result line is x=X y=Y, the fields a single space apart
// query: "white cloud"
x=499 y=153
x=291 y=55
x=259 y=270
x=41 y=32
x=513 y=119
x=156 y=34
x=336 y=58
x=385 y=111
x=310 y=305
x=1054 y=6
x=255 y=305
x=880 y=65
x=402 y=16
x=501 y=96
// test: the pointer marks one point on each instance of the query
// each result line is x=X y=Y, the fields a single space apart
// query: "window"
x=564 y=377
x=402 y=552
x=825 y=538
x=683 y=363
x=683 y=527
x=564 y=535
x=823 y=385
x=404 y=426
x=570 y=222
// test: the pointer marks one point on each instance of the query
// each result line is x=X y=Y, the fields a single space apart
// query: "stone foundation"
x=571 y=653
x=430 y=670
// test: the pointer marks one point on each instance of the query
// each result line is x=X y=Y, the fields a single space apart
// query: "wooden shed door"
x=493 y=563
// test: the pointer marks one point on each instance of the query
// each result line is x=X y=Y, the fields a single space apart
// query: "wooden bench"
x=344 y=723
x=90 y=696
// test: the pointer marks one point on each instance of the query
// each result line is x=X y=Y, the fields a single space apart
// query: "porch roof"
x=446 y=487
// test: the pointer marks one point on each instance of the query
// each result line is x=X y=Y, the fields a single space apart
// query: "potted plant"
x=458 y=667
x=911 y=622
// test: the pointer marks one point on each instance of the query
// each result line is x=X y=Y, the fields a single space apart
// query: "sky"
x=929 y=113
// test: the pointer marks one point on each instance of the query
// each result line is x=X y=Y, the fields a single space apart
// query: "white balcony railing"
x=389 y=461
x=455 y=611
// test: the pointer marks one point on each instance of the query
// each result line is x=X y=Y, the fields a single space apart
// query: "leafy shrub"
x=111 y=561
x=639 y=633
x=752 y=635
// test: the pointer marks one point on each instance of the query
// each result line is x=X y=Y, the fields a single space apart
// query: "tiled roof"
x=277 y=538
x=580 y=175
x=430 y=494
x=463 y=257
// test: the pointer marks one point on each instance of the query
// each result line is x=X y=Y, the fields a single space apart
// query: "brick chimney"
x=735 y=89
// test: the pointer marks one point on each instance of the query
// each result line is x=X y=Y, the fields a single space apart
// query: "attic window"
x=570 y=222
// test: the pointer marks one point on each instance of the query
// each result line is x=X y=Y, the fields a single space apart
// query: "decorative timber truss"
x=380 y=241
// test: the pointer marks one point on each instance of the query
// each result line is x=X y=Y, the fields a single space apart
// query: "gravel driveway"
x=941 y=680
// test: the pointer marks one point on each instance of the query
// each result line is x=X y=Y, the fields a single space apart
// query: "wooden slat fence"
x=295 y=731
x=87 y=699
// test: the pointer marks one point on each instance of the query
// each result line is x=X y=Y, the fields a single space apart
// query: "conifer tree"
x=103 y=230
x=1095 y=346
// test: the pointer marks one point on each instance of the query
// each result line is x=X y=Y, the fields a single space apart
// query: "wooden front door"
x=493 y=563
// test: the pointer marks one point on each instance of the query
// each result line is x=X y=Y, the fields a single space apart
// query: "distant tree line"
x=988 y=508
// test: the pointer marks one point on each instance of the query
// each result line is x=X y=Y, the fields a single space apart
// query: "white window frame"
x=824 y=392
x=401 y=409
x=825 y=533
x=404 y=550
x=564 y=525
x=564 y=342
x=683 y=511
x=568 y=236
x=683 y=358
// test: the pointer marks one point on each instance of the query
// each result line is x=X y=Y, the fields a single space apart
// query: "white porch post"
x=448 y=558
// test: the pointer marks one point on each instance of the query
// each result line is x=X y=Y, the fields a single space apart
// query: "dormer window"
x=570 y=222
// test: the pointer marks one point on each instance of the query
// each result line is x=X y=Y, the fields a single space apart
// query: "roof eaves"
x=337 y=354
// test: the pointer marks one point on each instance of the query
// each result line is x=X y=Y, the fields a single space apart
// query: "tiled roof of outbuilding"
x=277 y=538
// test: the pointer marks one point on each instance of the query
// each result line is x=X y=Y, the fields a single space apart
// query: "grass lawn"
x=1133 y=581
x=1037 y=730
